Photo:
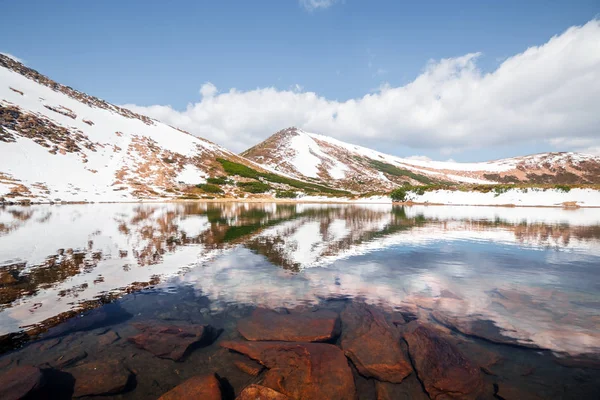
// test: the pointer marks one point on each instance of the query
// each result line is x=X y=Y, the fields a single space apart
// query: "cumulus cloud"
x=208 y=90
x=549 y=94
x=17 y=59
x=312 y=5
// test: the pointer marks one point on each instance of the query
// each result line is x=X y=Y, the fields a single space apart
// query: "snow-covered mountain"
x=311 y=156
x=58 y=144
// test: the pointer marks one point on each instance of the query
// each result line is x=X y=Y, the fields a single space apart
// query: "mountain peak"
x=346 y=166
x=60 y=144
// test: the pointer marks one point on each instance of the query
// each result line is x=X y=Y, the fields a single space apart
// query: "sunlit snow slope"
x=58 y=144
x=308 y=155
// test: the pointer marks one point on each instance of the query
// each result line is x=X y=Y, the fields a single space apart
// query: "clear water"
x=521 y=283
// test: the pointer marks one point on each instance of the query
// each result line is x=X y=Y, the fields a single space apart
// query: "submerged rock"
x=443 y=369
x=318 y=326
x=108 y=314
x=49 y=344
x=107 y=338
x=509 y=392
x=481 y=328
x=100 y=378
x=409 y=389
x=20 y=382
x=171 y=341
x=257 y=392
x=69 y=358
x=301 y=370
x=373 y=345
x=198 y=387
x=249 y=367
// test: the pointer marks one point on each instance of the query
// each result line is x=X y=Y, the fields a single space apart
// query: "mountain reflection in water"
x=522 y=276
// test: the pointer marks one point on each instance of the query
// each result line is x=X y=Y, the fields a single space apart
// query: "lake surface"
x=504 y=299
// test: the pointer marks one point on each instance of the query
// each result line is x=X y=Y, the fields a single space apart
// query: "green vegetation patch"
x=254 y=187
x=286 y=194
x=209 y=188
x=563 y=188
x=233 y=168
x=395 y=171
x=219 y=180
x=400 y=194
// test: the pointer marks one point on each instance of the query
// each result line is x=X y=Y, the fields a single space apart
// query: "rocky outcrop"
x=21 y=382
x=301 y=371
x=318 y=326
x=171 y=341
x=198 y=387
x=409 y=389
x=444 y=371
x=100 y=378
x=373 y=345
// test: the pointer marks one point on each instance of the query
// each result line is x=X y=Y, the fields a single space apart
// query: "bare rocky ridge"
x=346 y=166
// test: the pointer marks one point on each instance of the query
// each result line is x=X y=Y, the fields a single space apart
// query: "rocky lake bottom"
x=298 y=301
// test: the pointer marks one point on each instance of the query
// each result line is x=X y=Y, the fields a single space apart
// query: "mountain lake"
x=299 y=301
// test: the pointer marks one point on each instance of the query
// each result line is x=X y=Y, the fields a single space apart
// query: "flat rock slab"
x=69 y=358
x=198 y=387
x=257 y=392
x=107 y=338
x=443 y=369
x=100 y=378
x=373 y=345
x=318 y=326
x=303 y=371
x=171 y=341
x=20 y=382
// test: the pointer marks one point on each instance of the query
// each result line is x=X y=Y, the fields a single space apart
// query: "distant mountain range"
x=342 y=165
x=59 y=144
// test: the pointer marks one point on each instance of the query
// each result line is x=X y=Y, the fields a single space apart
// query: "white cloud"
x=17 y=59
x=312 y=5
x=208 y=90
x=546 y=95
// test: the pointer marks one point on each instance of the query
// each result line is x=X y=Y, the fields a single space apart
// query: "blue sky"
x=157 y=53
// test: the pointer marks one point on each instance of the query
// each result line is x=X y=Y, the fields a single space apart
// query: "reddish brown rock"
x=301 y=370
x=373 y=345
x=20 y=382
x=69 y=358
x=409 y=389
x=443 y=369
x=198 y=387
x=249 y=367
x=257 y=392
x=100 y=378
x=315 y=326
x=107 y=338
x=170 y=341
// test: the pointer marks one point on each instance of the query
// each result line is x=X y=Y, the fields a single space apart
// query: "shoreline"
x=569 y=206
